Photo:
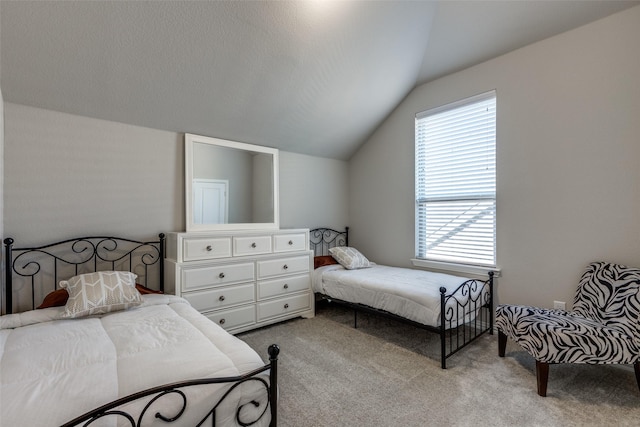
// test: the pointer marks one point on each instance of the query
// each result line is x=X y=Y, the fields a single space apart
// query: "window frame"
x=460 y=265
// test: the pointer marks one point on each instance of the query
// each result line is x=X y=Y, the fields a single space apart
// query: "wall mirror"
x=230 y=185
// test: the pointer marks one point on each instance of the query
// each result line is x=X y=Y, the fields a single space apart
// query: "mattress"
x=409 y=293
x=53 y=369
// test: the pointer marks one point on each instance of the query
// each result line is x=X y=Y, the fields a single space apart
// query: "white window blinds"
x=456 y=182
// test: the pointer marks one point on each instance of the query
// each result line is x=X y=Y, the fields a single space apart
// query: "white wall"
x=313 y=191
x=1 y=190
x=1 y=196
x=568 y=147
x=67 y=175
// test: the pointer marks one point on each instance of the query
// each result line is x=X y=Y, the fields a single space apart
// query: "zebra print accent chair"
x=604 y=326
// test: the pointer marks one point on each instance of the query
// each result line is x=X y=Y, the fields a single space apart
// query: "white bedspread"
x=54 y=369
x=409 y=293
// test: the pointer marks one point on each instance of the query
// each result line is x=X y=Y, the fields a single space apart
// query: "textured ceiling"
x=314 y=77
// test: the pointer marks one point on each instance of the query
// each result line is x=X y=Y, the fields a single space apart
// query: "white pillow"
x=101 y=292
x=350 y=258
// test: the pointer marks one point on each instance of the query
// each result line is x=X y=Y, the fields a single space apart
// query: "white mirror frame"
x=190 y=140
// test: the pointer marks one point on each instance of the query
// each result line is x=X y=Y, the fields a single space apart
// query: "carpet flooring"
x=386 y=373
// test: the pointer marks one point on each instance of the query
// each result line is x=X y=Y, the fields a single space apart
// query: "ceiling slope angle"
x=315 y=77
x=308 y=76
x=466 y=33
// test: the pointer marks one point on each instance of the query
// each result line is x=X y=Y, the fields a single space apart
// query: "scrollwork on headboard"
x=38 y=270
x=322 y=239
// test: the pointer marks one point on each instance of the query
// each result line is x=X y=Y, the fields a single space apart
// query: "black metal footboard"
x=152 y=406
x=465 y=314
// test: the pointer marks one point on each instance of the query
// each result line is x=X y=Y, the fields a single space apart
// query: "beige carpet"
x=386 y=373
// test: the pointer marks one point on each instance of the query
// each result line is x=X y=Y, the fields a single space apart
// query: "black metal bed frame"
x=82 y=254
x=453 y=336
x=89 y=254
x=153 y=395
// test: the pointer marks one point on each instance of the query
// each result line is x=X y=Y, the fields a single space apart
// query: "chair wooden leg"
x=542 y=375
x=636 y=367
x=502 y=343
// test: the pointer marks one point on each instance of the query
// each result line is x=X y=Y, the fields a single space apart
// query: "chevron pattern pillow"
x=100 y=292
x=350 y=258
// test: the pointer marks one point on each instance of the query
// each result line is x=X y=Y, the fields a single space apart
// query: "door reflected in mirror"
x=230 y=185
x=210 y=201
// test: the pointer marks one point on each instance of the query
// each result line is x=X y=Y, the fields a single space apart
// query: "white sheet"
x=409 y=293
x=54 y=369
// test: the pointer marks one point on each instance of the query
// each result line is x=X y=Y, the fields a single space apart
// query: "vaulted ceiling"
x=312 y=76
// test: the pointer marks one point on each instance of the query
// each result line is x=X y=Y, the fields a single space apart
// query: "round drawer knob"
x=209 y=248
x=221 y=298
x=253 y=245
x=222 y=321
x=286 y=286
x=290 y=242
x=285 y=266
x=221 y=275
x=286 y=306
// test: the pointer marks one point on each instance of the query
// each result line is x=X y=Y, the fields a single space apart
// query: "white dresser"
x=242 y=279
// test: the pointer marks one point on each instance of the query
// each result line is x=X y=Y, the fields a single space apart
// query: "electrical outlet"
x=559 y=305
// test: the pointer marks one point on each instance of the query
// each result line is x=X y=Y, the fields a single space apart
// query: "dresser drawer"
x=220 y=297
x=194 y=249
x=233 y=317
x=283 y=306
x=279 y=266
x=289 y=242
x=223 y=274
x=283 y=286
x=251 y=245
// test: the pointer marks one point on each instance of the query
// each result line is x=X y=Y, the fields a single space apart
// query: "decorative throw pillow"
x=59 y=297
x=101 y=292
x=350 y=258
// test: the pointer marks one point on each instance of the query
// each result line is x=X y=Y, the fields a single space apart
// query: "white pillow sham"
x=350 y=258
x=100 y=292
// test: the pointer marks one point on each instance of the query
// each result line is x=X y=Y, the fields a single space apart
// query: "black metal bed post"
x=273 y=351
x=491 y=273
x=443 y=350
x=346 y=236
x=161 y=260
x=8 y=269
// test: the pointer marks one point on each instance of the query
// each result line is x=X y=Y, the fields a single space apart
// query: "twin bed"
x=458 y=309
x=109 y=349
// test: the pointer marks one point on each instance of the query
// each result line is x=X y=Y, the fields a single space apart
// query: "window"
x=456 y=182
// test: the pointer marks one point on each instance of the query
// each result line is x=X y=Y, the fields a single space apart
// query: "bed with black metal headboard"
x=131 y=353
x=459 y=310
x=323 y=239
x=33 y=272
